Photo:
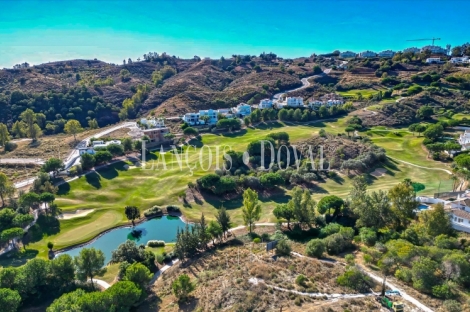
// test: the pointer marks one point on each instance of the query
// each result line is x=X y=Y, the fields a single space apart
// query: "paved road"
x=408 y=163
x=73 y=157
x=305 y=84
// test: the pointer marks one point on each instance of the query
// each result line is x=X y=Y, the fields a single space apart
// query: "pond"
x=163 y=228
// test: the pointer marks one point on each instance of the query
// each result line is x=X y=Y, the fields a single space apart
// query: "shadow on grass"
x=234 y=134
x=94 y=180
x=45 y=226
x=269 y=125
x=338 y=179
x=64 y=189
x=196 y=143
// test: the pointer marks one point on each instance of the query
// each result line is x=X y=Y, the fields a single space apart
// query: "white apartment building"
x=434 y=60
x=412 y=50
x=295 y=102
x=367 y=54
x=242 y=110
x=329 y=100
x=434 y=49
x=265 y=104
x=347 y=54
x=386 y=54
x=464 y=140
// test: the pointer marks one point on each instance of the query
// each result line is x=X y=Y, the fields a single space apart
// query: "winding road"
x=305 y=84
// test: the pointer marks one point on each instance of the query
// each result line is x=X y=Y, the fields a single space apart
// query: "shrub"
x=153 y=212
x=330 y=229
x=173 y=209
x=155 y=243
x=315 y=248
x=452 y=306
x=355 y=279
x=403 y=274
x=301 y=280
x=257 y=240
x=368 y=236
x=283 y=248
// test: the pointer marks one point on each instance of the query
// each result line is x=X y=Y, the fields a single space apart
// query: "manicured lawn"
x=112 y=271
x=109 y=190
x=364 y=92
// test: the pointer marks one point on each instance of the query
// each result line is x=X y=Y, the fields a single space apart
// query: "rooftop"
x=461 y=213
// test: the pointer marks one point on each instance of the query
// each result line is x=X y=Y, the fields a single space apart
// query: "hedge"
x=155 y=243
x=155 y=211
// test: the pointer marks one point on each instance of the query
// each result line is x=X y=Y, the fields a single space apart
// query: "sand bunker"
x=76 y=214
x=379 y=172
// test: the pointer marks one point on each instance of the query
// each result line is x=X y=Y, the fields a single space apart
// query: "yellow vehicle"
x=388 y=302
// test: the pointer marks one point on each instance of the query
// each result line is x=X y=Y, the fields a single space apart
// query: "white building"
x=295 y=102
x=367 y=54
x=347 y=54
x=412 y=50
x=329 y=100
x=464 y=140
x=265 y=104
x=460 y=220
x=194 y=119
x=315 y=104
x=434 y=60
x=459 y=60
x=242 y=110
x=386 y=54
x=434 y=49
x=153 y=122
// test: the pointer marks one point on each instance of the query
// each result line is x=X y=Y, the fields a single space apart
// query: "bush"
x=155 y=243
x=368 y=236
x=452 y=306
x=155 y=211
x=173 y=209
x=315 y=248
x=301 y=280
x=443 y=291
x=257 y=240
x=283 y=248
x=355 y=279
x=403 y=274
x=330 y=229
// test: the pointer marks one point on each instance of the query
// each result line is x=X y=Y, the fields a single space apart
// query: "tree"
x=18 y=129
x=127 y=145
x=132 y=213
x=297 y=114
x=68 y=302
x=373 y=210
x=330 y=202
x=425 y=112
x=403 y=203
x=190 y=132
x=223 y=219
x=22 y=220
x=433 y=132
x=63 y=271
x=271 y=180
x=4 y=135
x=102 y=157
x=6 y=187
x=52 y=165
x=348 y=130
x=73 y=127
x=138 y=274
x=420 y=129
x=87 y=161
x=231 y=124
x=303 y=205
x=128 y=252
x=247 y=121
x=283 y=114
x=89 y=263
x=10 y=234
x=181 y=287
x=93 y=124
x=30 y=200
x=436 y=221
x=284 y=211
x=10 y=300
x=214 y=230
x=29 y=118
x=423 y=274
x=315 y=248
x=317 y=70
x=123 y=295
x=115 y=149
x=251 y=210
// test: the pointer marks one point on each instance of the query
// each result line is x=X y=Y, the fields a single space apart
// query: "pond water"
x=423 y=207
x=163 y=228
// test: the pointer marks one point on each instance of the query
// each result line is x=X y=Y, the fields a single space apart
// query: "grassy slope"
x=110 y=190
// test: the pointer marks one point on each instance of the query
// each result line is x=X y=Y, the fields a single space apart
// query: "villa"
x=464 y=140
x=386 y=54
x=459 y=60
x=295 y=102
x=265 y=104
x=153 y=122
x=329 y=100
x=367 y=54
x=242 y=110
x=434 y=60
x=347 y=54
x=96 y=145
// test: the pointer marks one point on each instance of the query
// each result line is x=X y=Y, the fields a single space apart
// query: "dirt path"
x=418 y=166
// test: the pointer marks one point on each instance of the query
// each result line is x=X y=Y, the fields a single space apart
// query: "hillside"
x=91 y=89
